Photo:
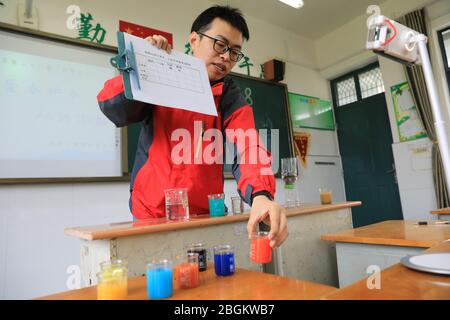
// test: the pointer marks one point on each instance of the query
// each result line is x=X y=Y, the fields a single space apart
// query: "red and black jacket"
x=154 y=171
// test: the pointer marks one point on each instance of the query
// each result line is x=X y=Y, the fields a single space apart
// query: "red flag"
x=143 y=32
x=302 y=143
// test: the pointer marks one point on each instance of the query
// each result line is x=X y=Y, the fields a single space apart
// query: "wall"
x=32 y=217
x=410 y=184
x=343 y=50
x=161 y=15
x=439 y=18
x=34 y=252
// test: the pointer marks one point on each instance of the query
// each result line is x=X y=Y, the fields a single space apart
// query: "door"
x=365 y=143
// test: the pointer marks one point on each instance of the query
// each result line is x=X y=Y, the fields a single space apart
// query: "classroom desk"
x=442 y=214
x=243 y=285
x=401 y=283
x=302 y=256
x=382 y=245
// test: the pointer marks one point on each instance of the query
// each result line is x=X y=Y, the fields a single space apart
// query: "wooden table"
x=314 y=260
x=399 y=282
x=243 y=285
x=442 y=214
x=360 y=251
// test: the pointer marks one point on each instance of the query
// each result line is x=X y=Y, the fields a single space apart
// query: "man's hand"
x=160 y=42
x=263 y=209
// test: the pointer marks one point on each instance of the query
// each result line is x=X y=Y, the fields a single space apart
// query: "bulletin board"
x=311 y=112
x=407 y=118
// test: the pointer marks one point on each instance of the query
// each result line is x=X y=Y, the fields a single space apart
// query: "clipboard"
x=125 y=62
x=153 y=76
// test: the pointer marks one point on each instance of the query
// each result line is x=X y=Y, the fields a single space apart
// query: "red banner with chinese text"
x=143 y=32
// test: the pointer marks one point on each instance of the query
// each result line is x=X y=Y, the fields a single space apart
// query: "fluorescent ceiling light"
x=297 y=4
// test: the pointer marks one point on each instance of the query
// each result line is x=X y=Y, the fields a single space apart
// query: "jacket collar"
x=213 y=83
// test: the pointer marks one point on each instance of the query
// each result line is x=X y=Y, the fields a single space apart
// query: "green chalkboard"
x=271 y=111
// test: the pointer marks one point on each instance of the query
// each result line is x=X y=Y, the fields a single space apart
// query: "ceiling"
x=314 y=20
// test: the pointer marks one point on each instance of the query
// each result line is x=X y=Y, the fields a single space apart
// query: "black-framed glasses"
x=222 y=47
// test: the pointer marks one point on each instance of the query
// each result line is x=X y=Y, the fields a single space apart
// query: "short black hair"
x=231 y=15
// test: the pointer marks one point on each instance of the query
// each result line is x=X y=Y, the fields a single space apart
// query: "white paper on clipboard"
x=174 y=80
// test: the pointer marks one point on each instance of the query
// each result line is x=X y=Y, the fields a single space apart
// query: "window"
x=357 y=85
x=371 y=83
x=346 y=91
x=444 y=43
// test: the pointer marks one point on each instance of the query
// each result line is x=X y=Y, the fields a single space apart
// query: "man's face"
x=218 y=65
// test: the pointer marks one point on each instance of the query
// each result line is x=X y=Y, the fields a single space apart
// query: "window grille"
x=371 y=83
x=346 y=92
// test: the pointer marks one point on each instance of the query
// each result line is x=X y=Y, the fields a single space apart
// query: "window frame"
x=335 y=90
x=355 y=75
x=444 y=54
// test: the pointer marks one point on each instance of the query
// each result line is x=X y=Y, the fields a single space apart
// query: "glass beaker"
x=260 y=250
x=216 y=205
x=326 y=196
x=289 y=174
x=112 y=286
x=237 y=205
x=199 y=248
x=177 y=204
x=114 y=264
x=185 y=272
x=224 y=260
x=159 y=279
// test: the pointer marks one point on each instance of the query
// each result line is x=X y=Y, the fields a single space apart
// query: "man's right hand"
x=160 y=42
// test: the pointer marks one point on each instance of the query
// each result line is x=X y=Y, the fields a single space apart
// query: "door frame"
x=333 y=83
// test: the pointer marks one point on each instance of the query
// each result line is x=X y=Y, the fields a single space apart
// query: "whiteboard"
x=50 y=123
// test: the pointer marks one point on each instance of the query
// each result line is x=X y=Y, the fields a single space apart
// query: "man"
x=217 y=36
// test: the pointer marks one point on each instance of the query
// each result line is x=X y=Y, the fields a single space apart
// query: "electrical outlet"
x=31 y=21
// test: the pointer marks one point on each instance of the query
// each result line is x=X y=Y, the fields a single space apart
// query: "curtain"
x=416 y=20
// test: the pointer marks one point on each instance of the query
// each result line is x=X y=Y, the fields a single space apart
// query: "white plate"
x=430 y=262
